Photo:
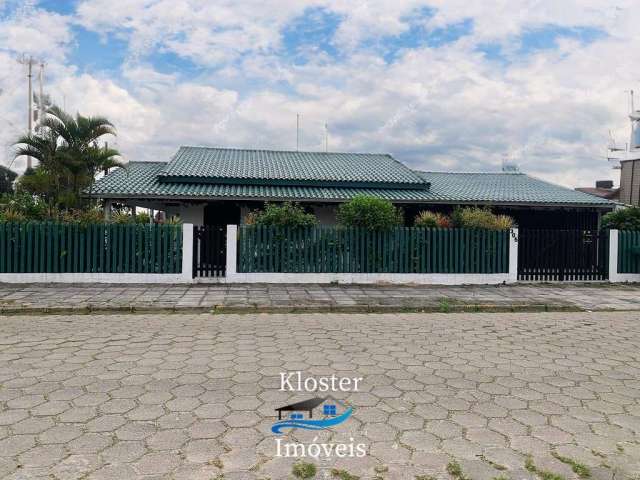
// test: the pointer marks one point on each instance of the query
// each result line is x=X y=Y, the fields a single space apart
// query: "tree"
x=69 y=155
x=7 y=176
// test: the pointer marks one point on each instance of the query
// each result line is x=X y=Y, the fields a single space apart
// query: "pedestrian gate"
x=563 y=255
x=209 y=251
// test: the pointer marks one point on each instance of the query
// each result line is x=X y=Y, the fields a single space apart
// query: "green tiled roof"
x=140 y=179
x=503 y=188
x=248 y=167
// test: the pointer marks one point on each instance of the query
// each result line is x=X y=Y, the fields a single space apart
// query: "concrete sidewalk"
x=37 y=298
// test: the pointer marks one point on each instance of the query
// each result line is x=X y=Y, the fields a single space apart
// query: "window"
x=296 y=416
x=329 y=409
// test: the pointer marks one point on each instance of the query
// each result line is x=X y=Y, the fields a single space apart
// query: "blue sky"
x=453 y=84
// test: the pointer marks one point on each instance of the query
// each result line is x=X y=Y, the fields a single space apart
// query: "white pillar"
x=232 y=247
x=187 y=252
x=513 y=255
x=613 y=256
x=107 y=210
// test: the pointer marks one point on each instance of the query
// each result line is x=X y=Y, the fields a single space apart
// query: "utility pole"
x=41 y=113
x=326 y=138
x=29 y=62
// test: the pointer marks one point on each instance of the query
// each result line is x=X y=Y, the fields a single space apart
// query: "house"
x=217 y=186
x=603 y=189
x=329 y=408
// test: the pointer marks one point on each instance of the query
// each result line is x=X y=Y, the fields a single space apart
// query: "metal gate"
x=563 y=255
x=209 y=251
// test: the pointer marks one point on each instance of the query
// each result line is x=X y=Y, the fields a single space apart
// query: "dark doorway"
x=222 y=213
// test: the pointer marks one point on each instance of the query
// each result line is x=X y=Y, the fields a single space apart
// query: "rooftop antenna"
x=297 y=132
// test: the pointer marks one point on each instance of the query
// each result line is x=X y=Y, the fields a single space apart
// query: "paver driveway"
x=193 y=396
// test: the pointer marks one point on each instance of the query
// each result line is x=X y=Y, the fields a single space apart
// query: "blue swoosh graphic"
x=311 y=424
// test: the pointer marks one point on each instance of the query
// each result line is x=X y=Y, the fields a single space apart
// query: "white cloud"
x=435 y=108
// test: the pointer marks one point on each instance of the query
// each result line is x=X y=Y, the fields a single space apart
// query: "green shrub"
x=284 y=215
x=369 y=212
x=83 y=217
x=27 y=206
x=122 y=218
x=622 y=219
x=432 y=220
x=480 y=218
x=12 y=215
x=143 y=218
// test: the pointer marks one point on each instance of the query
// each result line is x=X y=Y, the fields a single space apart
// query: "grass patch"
x=343 y=474
x=444 y=306
x=425 y=477
x=543 y=474
x=578 y=468
x=304 y=470
x=495 y=465
x=455 y=470
x=216 y=463
x=381 y=469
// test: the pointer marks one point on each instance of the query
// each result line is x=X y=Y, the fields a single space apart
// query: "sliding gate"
x=209 y=250
x=563 y=255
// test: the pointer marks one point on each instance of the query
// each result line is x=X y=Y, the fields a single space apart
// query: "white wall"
x=193 y=214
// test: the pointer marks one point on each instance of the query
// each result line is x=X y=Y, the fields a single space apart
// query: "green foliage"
x=143 y=218
x=578 y=468
x=69 y=157
x=284 y=215
x=83 y=217
x=369 y=212
x=7 y=178
x=543 y=474
x=622 y=219
x=432 y=220
x=24 y=206
x=343 y=474
x=455 y=470
x=304 y=470
x=480 y=218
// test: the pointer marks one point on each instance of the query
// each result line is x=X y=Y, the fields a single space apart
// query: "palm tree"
x=68 y=151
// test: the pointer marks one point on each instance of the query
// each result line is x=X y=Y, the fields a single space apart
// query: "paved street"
x=192 y=396
x=341 y=298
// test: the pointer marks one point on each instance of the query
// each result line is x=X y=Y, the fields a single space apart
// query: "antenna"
x=297 y=132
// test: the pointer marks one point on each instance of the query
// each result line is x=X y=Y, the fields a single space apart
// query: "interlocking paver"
x=193 y=395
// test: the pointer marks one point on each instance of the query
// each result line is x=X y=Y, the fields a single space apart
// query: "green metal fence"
x=628 y=251
x=101 y=248
x=325 y=249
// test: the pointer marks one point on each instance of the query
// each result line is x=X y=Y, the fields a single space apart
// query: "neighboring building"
x=603 y=189
x=217 y=186
x=630 y=182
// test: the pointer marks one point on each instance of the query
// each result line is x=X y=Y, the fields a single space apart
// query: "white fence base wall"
x=366 y=278
x=93 y=278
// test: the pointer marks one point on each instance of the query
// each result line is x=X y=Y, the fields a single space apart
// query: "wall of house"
x=189 y=213
x=630 y=182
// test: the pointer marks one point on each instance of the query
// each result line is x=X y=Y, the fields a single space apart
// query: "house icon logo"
x=329 y=413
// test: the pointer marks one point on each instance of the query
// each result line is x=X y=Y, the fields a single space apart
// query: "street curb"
x=229 y=309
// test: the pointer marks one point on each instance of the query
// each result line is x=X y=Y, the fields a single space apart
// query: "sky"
x=442 y=85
